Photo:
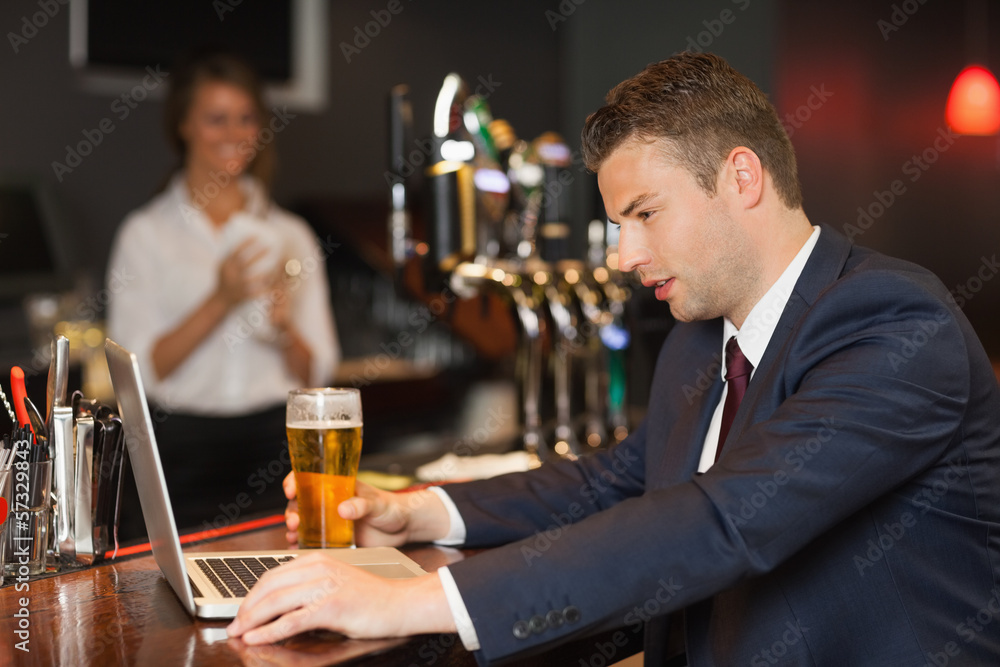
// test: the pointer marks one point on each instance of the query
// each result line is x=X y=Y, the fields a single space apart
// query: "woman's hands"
x=239 y=279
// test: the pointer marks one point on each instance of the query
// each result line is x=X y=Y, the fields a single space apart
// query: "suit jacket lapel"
x=681 y=408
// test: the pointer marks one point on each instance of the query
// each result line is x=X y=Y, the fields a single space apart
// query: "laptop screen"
x=149 y=479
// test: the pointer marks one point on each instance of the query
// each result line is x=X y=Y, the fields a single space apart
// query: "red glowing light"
x=974 y=102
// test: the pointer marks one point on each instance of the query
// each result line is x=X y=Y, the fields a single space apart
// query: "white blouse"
x=165 y=262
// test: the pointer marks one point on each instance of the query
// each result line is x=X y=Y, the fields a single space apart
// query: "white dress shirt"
x=753 y=339
x=165 y=263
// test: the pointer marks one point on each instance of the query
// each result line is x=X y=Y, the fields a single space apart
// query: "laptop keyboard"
x=234 y=577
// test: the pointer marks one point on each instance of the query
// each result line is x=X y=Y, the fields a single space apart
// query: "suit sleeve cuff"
x=456 y=531
x=463 y=622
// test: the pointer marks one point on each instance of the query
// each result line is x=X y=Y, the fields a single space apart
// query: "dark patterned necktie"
x=738 y=371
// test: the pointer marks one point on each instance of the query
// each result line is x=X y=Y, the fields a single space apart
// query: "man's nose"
x=632 y=250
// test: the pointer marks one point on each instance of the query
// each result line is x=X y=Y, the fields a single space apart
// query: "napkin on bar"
x=454 y=467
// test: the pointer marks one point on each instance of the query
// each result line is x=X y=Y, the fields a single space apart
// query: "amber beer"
x=324 y=441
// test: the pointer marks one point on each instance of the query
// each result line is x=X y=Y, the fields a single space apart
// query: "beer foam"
x=326 y=424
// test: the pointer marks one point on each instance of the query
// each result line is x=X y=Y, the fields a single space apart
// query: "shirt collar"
x=256 y=198
x=763 y=318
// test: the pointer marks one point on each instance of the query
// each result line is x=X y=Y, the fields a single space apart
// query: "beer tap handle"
x=400 y=137
x=530 y=356
x=594 y=392
x=564 y=341
x=617 y=338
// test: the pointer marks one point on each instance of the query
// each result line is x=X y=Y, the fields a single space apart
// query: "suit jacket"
x=852 y=519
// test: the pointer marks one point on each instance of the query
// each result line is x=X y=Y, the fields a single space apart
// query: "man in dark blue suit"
x=817 y=480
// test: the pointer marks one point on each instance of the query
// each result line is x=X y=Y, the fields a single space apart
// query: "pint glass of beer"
x=324 y=442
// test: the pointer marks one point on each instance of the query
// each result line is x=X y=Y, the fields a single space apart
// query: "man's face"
x=684 y=243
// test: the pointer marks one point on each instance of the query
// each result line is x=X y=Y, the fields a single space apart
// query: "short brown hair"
x=215 y=66
x=705 y=109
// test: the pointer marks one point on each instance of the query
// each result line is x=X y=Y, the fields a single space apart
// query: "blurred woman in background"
x=227 y=307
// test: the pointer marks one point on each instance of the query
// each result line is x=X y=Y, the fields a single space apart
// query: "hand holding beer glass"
x=324 y=442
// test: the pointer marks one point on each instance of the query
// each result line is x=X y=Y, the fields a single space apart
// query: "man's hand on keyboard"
x=315 y=591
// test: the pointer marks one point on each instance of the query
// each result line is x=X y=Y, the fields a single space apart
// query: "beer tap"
x=470 y=196
x=530 y=362
x=616 y=338
x=590 y=299
x=559 y=296
x=470 y=191
x=400 y=136
x=552 y=232
x=601 y=294
x=500 y=221
x=452 y=227
x=525 y=280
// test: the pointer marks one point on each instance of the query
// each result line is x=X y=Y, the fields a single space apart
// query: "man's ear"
x=745 y=175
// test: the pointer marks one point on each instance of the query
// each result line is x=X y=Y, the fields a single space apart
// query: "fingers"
x=249 y=252
x=355 y=509
x=287 y=625
x=298 y=596
x=238 y=277
x=292 y=523
x=293 y=610
x=366 y=501
x=316 y=591
x=243 y=257
x=292 y=509
x=274 y=593
x=380 y=518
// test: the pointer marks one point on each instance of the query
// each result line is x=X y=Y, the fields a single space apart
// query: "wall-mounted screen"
x=113 y=42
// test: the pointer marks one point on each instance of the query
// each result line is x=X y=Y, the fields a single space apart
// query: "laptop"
x=208 y=584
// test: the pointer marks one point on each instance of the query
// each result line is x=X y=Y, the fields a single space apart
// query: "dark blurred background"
x=862 y=83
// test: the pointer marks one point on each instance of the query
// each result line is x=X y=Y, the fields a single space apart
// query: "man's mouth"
x=661 y=287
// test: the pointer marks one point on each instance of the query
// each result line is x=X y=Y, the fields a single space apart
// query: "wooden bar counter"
x=123 y=612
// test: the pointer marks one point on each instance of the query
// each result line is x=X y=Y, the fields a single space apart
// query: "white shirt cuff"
x=456 y=530
x=463 y=622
